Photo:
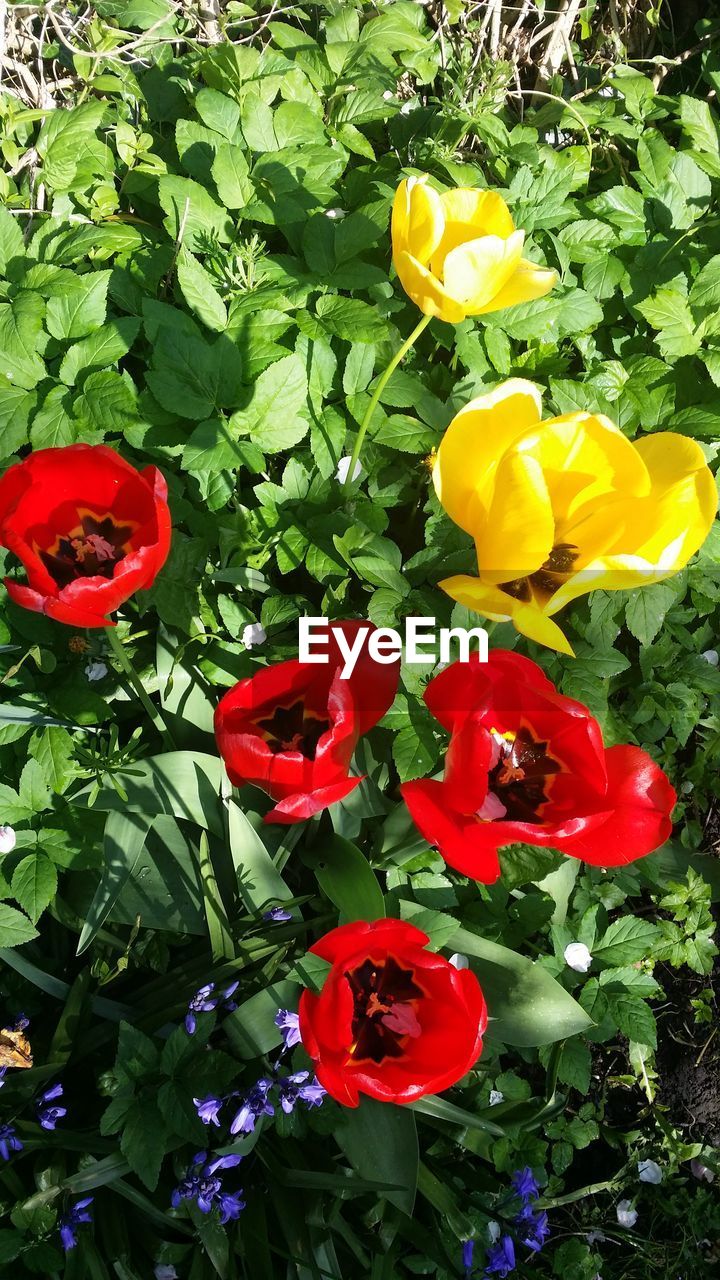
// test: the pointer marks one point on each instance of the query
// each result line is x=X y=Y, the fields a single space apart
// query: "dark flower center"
x=521 y=776
x=91 y=551
x=293 y=728
x=546 y=580
x=384 y=1014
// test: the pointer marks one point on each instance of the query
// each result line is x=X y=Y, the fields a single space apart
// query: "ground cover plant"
x=411 y=973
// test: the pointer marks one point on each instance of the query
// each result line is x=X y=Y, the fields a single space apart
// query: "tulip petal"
x=470 y=212
x=476 y=271
x=418 y=220
x=465 y=843
x=476 y=440
x=517 y=535
x=527 y=283
x=683 y=497
x=425 y=291
x=536 y=625
x=642 y=800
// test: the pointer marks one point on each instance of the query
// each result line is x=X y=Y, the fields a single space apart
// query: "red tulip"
x=292 y=728
x=527 y=765
x=393 y=1020
x=89 y=529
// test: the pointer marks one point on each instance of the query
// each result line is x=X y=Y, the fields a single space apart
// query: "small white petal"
x=494 y=1231
x=594 y=1237
x=711 y=656
x=8 y=839
x=496 y=1097
x=409 y=106
x=492 y=808
x=577 y=957
x=701 y=1171
x=96 y=670
x=649 y=1171
x=343 y=467
x=459 y=961
x=388 y=94
x=336 y=214
x=253 y=634
x=627 y=1216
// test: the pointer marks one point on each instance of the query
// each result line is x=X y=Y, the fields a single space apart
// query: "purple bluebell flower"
x=256 y=1104
x=299 y=1088
x=204 y=1001
x=230 y=1205
x=202 y=1185
x=48 y=1116
x=3 y=1073
x=165 y=1271
x=277 y=915
x=21 y=1023
x=501 y=1258
x=524 y=1184
x=222 y=1162
x=467 y=1257
x=69 y=1223
x=8 y=1141
x=226 y=997
x=289 y=1024
x=533 y=1228
x=208 y=1109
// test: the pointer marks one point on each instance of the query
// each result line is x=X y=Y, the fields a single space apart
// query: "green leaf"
x=20 y=323
x=143 y=1141
x=645 y=610
x=200 y=293
x=193 y=217
x=108 y=403
x=185 y=784
x=259 y=882
x=668 y=311
x=231 y=174
x=103 y=347
x=344 y=874
x=15 y=928
x=78 y=311
x=218 y=112
x=16 y=405
x=123 y=842
x=351 y=319
x=251 y=1028
x=34 y=884
x=625 y=941
x=526 y=1005
x=380 y=1141
x=52 y=426
x=276 y=417
x=193 y=378
x=12 y=244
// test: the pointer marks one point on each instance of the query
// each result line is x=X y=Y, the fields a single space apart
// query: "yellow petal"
x=533 y=623
x=683 y=498
x=469 y=213
x=417 y=220
x=607 y=573
x=476 y=271
x=478 y=596
x=478 y=436
x=586 y=459
x=492 y=603
x=518 y=533
x=426 y=292
x=527 y=283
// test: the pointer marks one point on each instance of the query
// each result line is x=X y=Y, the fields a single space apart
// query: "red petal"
x=639 y=822
x=465 y=843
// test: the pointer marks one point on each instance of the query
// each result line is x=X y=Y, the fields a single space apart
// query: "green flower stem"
x=119 y=650
x=379 y=390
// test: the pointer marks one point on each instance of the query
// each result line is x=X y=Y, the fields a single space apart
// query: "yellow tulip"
x=562 y=506
x=458 y=254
